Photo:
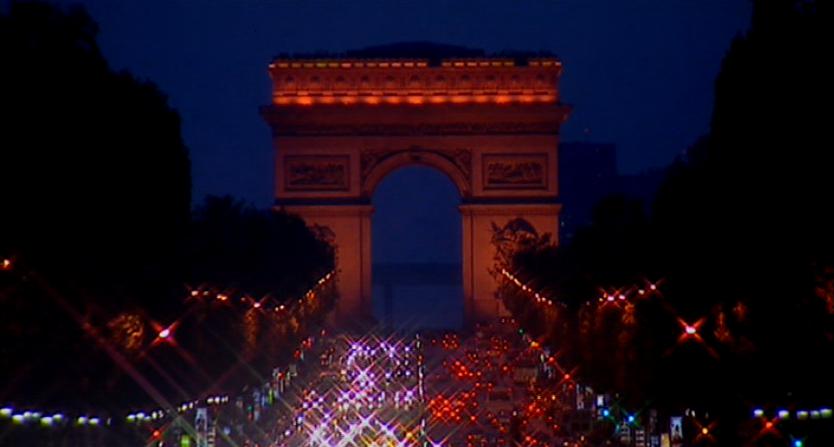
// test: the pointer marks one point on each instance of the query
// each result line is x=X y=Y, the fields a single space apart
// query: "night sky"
x=639 y=73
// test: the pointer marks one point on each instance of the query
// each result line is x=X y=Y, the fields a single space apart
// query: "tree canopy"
x=102 y=248
x=740 y=234
x=96 y=178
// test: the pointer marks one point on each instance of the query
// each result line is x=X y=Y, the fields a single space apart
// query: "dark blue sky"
x=638 y=72
x=416 y=218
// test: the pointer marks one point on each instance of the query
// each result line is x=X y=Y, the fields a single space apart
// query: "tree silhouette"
x=95 y=217
x=741 y=232
x=96 y=178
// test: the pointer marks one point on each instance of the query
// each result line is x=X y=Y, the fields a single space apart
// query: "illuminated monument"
x=490 y=124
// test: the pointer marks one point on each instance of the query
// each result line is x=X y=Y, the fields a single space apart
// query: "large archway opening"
x=416 y=250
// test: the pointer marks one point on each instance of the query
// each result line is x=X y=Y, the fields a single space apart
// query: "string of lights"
x=612 y=295
x=266 y=303
x=28 y=415
x=689 y=332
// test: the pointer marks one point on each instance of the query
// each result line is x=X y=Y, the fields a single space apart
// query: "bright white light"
x=165 y=333
x=690 y=330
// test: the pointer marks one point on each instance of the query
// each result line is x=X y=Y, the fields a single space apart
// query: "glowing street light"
x=690 y=331
x=164 y=334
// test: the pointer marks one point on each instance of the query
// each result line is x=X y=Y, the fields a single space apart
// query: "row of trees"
x=97 y=228
x=740 y=234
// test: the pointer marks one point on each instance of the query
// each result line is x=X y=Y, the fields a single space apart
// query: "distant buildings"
x=588 y=173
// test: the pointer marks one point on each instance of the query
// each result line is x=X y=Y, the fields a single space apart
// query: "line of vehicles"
x=427 y=389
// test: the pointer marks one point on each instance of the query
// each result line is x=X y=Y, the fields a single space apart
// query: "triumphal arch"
x=491 y=124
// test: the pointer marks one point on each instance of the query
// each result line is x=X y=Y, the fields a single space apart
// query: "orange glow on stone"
x=351 y=98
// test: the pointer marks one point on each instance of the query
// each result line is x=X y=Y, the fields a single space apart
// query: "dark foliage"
x=96 y=179
x=741 y=233
x=240 y=246
x=95 y=198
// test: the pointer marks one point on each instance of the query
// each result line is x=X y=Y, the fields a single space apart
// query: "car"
x=499 y=399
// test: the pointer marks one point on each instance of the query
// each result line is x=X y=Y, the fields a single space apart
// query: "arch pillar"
x=478 y=220
x=351 y=228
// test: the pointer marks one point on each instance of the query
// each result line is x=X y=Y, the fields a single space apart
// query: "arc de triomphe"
x=339 y=126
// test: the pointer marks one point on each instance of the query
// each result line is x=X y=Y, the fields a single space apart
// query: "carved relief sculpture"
x=316 y=173
x=515 y=171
